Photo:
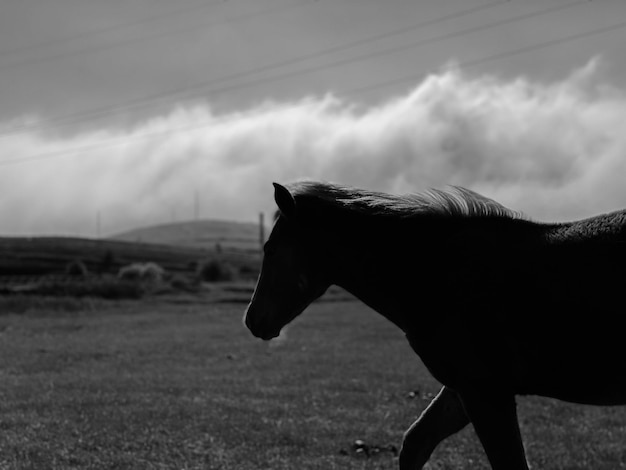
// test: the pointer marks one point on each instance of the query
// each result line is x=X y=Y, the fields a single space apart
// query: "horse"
x=495 y=304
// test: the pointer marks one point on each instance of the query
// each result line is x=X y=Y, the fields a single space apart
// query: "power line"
x=392 y=50
x=110 y=29
x=402 y=47
x=105 y=47
x=501 y=55
x=469 y=63
x=428 y=41
x=167 y=95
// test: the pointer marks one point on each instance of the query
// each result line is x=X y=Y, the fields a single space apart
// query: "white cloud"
x=556 y=151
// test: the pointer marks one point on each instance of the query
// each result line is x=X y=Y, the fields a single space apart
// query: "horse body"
x=495 y=305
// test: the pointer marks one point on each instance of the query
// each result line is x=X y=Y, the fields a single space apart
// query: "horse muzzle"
x=257 y=326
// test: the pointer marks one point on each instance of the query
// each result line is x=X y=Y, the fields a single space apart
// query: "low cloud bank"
x=555 y=151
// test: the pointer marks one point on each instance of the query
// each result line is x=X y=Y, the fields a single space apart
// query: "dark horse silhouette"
x=494 y=304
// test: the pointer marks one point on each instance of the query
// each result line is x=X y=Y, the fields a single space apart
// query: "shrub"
x=76 y=268
x=150 y=273
x=215 y=271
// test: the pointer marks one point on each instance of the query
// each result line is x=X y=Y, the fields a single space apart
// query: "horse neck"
x=375 y=260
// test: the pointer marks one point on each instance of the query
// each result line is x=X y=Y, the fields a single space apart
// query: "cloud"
x=553 y=150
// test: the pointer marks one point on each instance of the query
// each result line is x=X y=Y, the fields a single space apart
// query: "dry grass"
x=182 y=385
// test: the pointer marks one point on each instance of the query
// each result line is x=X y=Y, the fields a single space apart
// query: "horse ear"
x=285 y=201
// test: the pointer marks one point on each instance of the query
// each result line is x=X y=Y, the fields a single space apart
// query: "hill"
x=36 y=256
x=201 y=234
x=44 y=255
x=176 y=247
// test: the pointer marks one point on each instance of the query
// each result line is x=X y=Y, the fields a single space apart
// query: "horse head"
x=290 y=273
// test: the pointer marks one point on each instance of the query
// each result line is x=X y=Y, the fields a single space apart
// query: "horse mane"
x=455 y=201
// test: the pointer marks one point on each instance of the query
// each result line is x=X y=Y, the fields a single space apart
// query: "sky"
x=116 y=115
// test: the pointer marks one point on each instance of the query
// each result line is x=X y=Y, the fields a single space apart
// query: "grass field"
x=177 y=383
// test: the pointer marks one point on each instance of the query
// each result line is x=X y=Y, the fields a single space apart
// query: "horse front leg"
x=443 y=417
x=494 y=417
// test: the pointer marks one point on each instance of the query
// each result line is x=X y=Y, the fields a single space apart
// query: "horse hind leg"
x=444 y=416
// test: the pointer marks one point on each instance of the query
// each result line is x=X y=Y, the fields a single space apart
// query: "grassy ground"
x=174 y=383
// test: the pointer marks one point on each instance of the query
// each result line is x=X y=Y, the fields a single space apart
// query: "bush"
x=150 y=273
x=76 y=268
x=215 y=271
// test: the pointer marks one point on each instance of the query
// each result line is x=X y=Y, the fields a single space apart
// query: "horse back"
x=607 y=228
x=565 y=266
x=581 y=265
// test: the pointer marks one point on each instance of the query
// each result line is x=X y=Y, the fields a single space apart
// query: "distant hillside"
x=43 y=255
x=50 y=255
x=176 y=247
x=203 y=234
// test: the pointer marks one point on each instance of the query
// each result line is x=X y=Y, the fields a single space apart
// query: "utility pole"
x=261 y=230
x=196 y=205
x=98 y=225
